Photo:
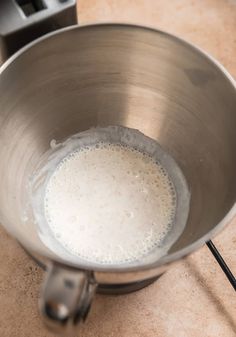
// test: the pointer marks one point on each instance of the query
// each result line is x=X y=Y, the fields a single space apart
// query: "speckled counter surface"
x=193 y=299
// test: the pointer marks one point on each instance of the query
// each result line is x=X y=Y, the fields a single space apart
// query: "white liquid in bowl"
x=111 y=202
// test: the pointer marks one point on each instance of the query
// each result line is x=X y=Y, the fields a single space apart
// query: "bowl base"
x=125 y=288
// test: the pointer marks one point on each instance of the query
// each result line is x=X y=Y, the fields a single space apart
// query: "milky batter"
x=109 y=203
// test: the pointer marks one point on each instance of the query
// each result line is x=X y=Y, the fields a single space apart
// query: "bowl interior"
x=119 y=75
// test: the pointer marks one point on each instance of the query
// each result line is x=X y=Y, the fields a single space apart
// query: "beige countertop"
x=192 y=299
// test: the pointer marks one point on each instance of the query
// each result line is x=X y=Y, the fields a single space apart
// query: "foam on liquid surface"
x=109 y=203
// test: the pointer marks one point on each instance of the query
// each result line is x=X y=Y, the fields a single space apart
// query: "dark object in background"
x=222 y=263
x=22 y=21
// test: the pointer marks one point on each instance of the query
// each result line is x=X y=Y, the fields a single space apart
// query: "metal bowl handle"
x=66 y=297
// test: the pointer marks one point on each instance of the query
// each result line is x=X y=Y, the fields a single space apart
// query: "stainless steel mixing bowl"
x=80 y=77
